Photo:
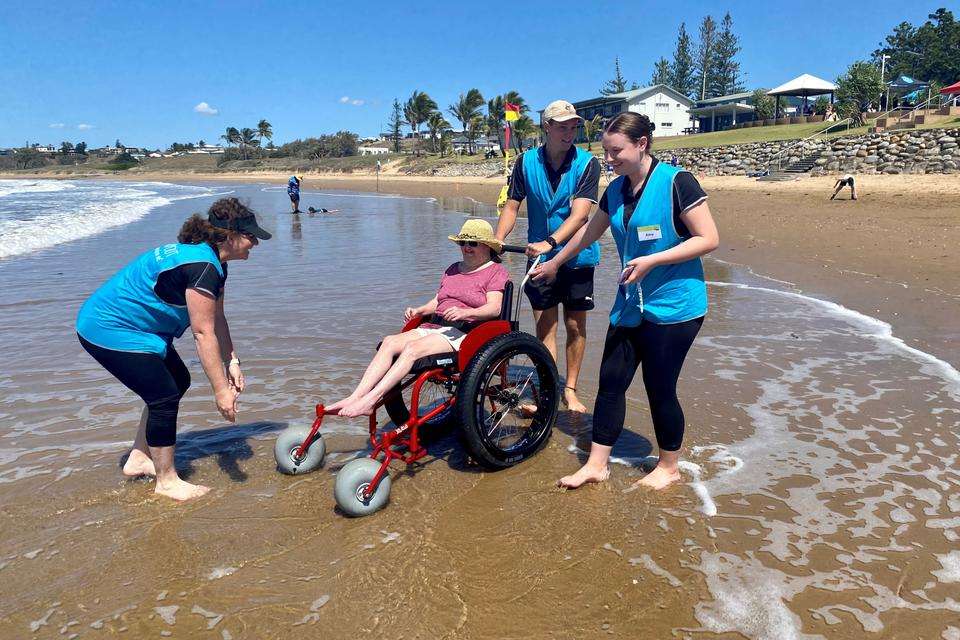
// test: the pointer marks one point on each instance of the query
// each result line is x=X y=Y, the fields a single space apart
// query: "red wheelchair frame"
x=470 y=372
x=407 y=435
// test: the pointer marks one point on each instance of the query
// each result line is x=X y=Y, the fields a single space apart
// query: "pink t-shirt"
x=469 y=290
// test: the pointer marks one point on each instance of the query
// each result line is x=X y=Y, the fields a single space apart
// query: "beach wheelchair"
x=500 y=391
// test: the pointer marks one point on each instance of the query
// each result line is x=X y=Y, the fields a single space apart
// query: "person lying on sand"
x=471 y=291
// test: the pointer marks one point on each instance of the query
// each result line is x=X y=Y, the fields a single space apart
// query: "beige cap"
x=560 y=111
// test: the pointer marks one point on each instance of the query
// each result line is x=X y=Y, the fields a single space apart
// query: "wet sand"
x=820 y=498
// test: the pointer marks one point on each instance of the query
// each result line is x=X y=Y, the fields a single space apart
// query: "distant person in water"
x=320 y=210
x=129 y=323
x=293 y=190
x=846 y=180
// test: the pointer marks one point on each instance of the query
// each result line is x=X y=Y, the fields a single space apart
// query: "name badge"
x=651 y=232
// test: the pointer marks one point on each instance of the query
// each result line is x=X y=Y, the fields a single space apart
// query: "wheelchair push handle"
x=514 y=248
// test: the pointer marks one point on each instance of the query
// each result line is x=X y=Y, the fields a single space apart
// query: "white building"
x=373 y=151
x=667 y=108
x=208 y=149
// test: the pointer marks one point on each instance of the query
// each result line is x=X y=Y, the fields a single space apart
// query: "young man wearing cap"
x=560 y=183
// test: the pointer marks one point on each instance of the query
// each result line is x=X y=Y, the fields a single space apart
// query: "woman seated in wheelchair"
x=471 y=291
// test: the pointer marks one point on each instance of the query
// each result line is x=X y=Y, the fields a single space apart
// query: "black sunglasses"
x=468 y=243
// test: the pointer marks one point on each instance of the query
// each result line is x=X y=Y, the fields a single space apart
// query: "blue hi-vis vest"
x=547 y=210
x=125 y=314
x=670 y=293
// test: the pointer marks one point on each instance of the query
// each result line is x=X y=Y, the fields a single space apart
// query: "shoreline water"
x=887 y=255
x=819 y=466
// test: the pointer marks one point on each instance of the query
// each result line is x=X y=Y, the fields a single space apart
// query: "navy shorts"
x=573 y=288
x=294 y=197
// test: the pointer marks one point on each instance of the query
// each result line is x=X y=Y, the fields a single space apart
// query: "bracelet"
x=233 y=361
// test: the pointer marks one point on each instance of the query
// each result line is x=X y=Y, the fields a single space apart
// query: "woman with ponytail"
x=661 y=223
x=129 y=323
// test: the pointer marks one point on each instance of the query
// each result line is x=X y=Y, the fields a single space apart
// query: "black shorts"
x=573 y=288
x=845 y=183
x=160 y=383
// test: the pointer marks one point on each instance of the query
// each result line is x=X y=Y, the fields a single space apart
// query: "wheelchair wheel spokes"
x=507 y=400
x=508 y=408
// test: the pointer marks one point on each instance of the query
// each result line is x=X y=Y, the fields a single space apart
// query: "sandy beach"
x=820 y=486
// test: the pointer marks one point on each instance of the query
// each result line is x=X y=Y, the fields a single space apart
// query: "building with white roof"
x=667 y=108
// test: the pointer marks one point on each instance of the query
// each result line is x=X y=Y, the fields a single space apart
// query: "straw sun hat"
x=478 y=231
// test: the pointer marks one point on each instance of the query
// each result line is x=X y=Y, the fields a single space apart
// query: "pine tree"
x=724 y=77
x=705 y=54
x=681 y=69
x=661 y=72
x=618 y=84
x=396 y=121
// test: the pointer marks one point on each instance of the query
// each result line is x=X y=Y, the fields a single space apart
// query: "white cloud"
x=205 y=109
x=84 y=127
x=356 y=103
x=57 y=125
x=345 y=99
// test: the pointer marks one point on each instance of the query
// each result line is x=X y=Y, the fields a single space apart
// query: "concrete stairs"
x=793 y=170
x=804 y=164
x=911 y=119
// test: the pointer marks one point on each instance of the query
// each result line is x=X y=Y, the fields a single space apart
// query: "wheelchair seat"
x=446 y=360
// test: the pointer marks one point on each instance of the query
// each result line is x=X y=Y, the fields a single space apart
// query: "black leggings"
x=160 y=382
x=662 y=349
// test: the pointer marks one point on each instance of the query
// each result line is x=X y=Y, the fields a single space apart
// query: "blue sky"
x=99 y=70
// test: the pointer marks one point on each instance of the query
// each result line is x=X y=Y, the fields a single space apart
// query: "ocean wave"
x=14 y=187
x=31 y=220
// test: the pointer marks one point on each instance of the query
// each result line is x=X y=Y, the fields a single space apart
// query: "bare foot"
x=526 y=410
x=180 y=490
x=657 y=479
x=573 y=403
x=138 y=464
x=356 y=408
x=333 y=408
x=585 y=475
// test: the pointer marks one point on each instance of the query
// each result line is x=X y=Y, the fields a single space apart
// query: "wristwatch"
x=550 y=240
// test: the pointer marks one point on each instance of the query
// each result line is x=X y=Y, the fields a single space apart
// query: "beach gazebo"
x=905 y=87
x=952 y=90
x=803 y=86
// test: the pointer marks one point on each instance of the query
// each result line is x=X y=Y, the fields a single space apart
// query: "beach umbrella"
x=951 y=90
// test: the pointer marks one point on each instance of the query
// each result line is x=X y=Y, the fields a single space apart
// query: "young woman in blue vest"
x=560 y=183
x=661 y=223
x=129 y=323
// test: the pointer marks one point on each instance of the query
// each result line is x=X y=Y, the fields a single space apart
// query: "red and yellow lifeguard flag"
x=511 y=112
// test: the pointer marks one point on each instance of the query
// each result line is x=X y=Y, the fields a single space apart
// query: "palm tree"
x=248 y=138
x=264 y=130
x=416 y=111
x=438 y=126
x=232 y=136
x=495 y=119
x=523 y=129
x=475 y=127
x=466 y=109
x=591 y=128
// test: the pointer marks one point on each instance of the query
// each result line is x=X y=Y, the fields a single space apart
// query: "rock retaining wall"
x=904 y=151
